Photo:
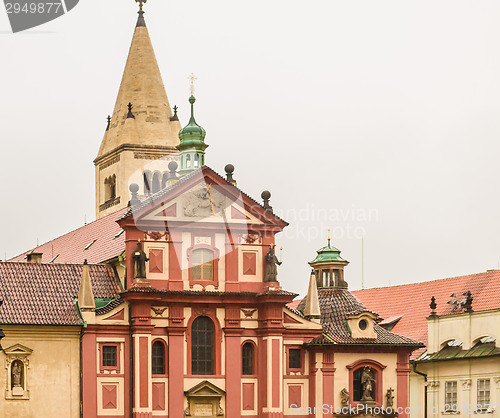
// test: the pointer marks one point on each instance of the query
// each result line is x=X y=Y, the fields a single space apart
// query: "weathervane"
x=192 y=79
x=141 y=3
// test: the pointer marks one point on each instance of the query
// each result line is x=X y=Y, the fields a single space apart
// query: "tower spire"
x=134 y=137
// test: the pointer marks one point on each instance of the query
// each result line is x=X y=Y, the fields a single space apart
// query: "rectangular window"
x=294 y=358
x=202 y=264
x=483 y=393
x=450 y=399
x=109 y=355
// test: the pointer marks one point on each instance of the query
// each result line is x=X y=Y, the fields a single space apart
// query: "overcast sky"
x=374 y=118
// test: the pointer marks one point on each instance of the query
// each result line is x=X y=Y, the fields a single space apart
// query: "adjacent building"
x=458 y=319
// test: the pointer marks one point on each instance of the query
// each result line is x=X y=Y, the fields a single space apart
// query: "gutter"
x=82 y=333
x=425 y=386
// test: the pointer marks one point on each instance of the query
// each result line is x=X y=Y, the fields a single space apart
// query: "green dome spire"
x=192 y=144
x=192 y=135
x=327 y=253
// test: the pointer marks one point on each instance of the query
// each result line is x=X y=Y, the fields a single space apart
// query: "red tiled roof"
x=70 y=248
x=411 y=301
x=42 y=294
x=336 y=306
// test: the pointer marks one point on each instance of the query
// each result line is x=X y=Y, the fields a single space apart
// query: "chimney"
x=34 y=258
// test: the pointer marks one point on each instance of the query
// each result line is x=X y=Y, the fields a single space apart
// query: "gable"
x=18 y=350
x=203 y=197
x=203 y=203
x=205 y=389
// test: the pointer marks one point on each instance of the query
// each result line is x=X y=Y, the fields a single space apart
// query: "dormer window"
x=362 y=325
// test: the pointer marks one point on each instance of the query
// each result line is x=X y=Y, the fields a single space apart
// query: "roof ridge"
x=52 y=264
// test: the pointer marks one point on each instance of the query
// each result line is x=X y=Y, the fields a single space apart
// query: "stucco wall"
x=53 y=373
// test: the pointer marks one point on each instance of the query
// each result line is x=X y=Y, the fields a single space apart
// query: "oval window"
x=363 y=324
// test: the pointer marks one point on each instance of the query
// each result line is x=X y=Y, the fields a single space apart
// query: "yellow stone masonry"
x=151 y=132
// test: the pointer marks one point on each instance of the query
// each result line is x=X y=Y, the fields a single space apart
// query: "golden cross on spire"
x=141 y=3
x=192 y=79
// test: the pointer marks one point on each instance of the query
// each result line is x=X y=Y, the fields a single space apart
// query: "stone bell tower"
x=140 y=134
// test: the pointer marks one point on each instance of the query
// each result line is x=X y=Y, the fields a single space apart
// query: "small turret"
x=329 y=267
x=192 y=146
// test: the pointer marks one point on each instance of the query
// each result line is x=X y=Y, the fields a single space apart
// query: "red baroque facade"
x=205 y=335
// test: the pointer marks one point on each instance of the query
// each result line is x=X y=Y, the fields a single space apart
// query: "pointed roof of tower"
x=85 y=294
x=312 y=308
x=142 y=86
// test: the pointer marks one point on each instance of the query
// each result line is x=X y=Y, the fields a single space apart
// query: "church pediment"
x=18 y=350
x=205 y=389
x=203 y=197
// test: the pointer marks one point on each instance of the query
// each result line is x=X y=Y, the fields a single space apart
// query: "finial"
x=433 y=306
x=229 y=169
x=192 y=79
x=172 y=166
x=329 y=238
x=266 y=195
x=109 y=122
x=130 y=114
x=141 y=3
x=175 y=117
x=134 y=188
x=140 y=20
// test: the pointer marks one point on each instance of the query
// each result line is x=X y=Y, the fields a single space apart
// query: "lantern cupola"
x=192 y=146
x=328 y=267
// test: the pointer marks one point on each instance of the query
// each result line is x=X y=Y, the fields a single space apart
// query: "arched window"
x=203 y=264
x=158 y=358
x=188 y=161
x=247 y=359
x=196 y=161
x=202 y=346
x=156 y=182
x=112 y=188
x=147 y=182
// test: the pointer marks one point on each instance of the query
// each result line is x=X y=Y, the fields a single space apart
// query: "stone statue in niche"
x=344 y=398
x=389 y=397
x=272 y=264
x=16 y=373
x=140 y=258
x=367 y=383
